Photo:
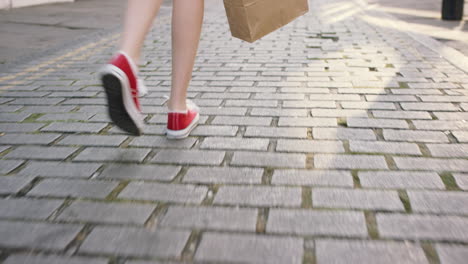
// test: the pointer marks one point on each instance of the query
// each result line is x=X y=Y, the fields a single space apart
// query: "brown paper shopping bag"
x=250 y=20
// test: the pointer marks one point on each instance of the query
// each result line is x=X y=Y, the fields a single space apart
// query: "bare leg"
x=138 y=20
x=187 y=19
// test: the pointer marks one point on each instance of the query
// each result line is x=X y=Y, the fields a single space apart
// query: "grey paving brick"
x=462 y=180
x=22 y=127
x=73 y=188
x=312 y=178
x=230 y=111
x=60 y=169
x=36 y=101
x=451 y=115
x=309 y=146
x=307 y=122
x=278 y=112
x=13 y=184
x=329 y=161
x=439 y=202
x=443 y=98
x=7 y=166
x=423 y=227
x=338 y=113
x=415 y=136
x=309 y=104
x=251 y=102
x=47 y=109
x=402 y=114
x=448 y=150
x=376 y=123
x=441 y=125
x=258 y=196
x=52 y=259
x=400 y=180
x=259 y=159
x=343 y=133
x=461 y=136
x=391 y=98
x=27 y=208
x=96 y=212
x=224 y=175
x=65 y=117
x=207 y=130
x=357 y=199
x=143 y=172
x=324 y=223
x=242 y=121
x=235 y=143
x=23 y=139
x=40 y=152
x=37 y=235
x=452 y=254
x=75 y=127
x=362 y=251
x=9 y=108
x=200 y=157
x=93 y=140
x=162 y=142
x=137 y=242
x=429 y=106
x=13 y=117
x=368 y=105
x=247 y=248
x=384 y=147
x=459 y=165
x=112 y=154
x=179 y=193
x=211 y=218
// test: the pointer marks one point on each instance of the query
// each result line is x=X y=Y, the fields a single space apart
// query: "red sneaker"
x=181 y=123
x=119 y=79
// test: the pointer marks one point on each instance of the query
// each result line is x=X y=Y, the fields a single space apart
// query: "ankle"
x=176 y=107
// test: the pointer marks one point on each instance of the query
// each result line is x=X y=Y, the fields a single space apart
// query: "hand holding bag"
x=250 y=20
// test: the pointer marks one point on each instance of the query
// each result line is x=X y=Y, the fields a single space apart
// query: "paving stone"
x=357 y=199
x=461 y=136
x=362 y=251
x=329 y=161
x=28 y=208
x=278 y=112
x=199 y=157
x=451 y=116
x=65 y=117
x=52 y=259
x=402 y=114
x=307 y=122
x=384 y=147
x=22 y=127
x=230 y=111
x=368 y=105
x=224 y=175
x=75 y=127
x=7 y=166
x=235 y=143
x=112 y=154
x=207 y=130
x=459 y=165
x=309 y=104
x=23 y=139
x=60 y=169
x=338 y=113
x=36 y=101
x=178 y=193
x=258 y=196
x=118 y=213
x=261 y=159
x=324 y=223
x=312 y=178
x=136 y=242
x=400 y=180
x=276 y=132
x=439 y=202
x=162 y=142
x=376 y=123
x=37 y=235
x=423 y=227
x=343 y=133
x=309 y=146
x=13 y=184
x=248 y=248
x=415 y=136
x=429 y=106
x=93 y=140
x=448 y=150
x=452 y=254
x=441 y=125
x=462 y=180
x=242 y=121
x=140 y=172
x=43 y=153
x=73 y=188
x=13 y=117
x=211 y=218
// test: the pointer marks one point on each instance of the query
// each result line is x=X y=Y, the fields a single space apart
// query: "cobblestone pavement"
x=333 y=140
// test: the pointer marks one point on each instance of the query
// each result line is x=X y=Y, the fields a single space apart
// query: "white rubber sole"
x=179 y=134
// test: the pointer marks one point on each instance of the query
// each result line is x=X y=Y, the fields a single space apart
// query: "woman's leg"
x=138 y=20
x=187 y=19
